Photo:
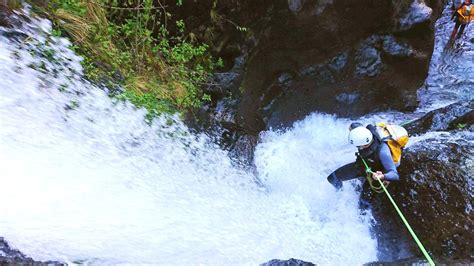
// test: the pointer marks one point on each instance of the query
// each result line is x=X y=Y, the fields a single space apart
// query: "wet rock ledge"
x=344 y=57
x=434 y=193
x=435 y=190
x=9 y=256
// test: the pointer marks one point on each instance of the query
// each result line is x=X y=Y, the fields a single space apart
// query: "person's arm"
x=455 y=11
x=390 y=170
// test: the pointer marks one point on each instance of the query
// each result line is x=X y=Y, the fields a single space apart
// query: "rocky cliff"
x=300 y=56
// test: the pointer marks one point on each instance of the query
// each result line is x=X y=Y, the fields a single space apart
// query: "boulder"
x=418 y=13
x=458 y=115
x=434 y=192
x=10 y=256
x=290 y=262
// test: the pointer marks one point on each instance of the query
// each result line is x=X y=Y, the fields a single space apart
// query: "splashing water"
x=85 y=179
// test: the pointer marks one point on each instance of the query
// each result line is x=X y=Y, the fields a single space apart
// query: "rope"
x=372 y=185
x=418 y=242
x=374 y=188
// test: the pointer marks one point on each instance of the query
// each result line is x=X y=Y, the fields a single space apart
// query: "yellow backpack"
x=396 y=137
x=466 y=13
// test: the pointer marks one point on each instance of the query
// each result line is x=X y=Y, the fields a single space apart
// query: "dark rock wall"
x=435 y=197
x=290 y=262
x=435 y=192
x=345 y=57
x=10 y=256
x=458 y=115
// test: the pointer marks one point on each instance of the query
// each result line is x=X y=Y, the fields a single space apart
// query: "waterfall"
x=85 y=179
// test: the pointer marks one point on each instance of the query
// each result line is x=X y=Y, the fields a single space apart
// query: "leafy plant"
x=163 y=71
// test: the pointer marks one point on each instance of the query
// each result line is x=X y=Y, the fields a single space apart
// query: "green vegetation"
x=162 y=71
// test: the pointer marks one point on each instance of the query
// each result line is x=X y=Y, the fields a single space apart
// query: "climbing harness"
x=376 y=189
x=370 y=180
x=418 y=242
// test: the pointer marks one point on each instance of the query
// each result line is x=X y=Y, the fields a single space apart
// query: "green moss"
x=13 y=4
x=149 y=101
x=162 y=72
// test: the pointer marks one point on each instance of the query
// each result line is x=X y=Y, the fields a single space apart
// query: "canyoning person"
x=462 y=15
x=379 y=146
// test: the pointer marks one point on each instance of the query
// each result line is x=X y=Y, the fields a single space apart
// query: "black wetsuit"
x=378 y=158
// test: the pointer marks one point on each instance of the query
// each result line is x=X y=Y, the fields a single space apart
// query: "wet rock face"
x=300 y=56
x=226 y=84
x=455 y=116
x=9 y=256
x=290 y=262
x=418 y=13
x=435 y=194
x=378 y=38
x=369 y=62
x=5 y=12
x=346 y=57
x=343 y=57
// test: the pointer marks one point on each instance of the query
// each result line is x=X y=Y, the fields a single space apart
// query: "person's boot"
x=332 y=178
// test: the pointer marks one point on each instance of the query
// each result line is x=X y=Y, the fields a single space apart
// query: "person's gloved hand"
x=378 y=175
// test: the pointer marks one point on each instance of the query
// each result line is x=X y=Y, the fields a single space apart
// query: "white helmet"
x=360 y=136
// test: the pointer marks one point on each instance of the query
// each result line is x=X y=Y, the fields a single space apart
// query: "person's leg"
x=455 y=30
x=343 y=173
x=461 y=31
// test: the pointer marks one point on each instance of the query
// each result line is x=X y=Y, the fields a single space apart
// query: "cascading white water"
x=84 y=178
